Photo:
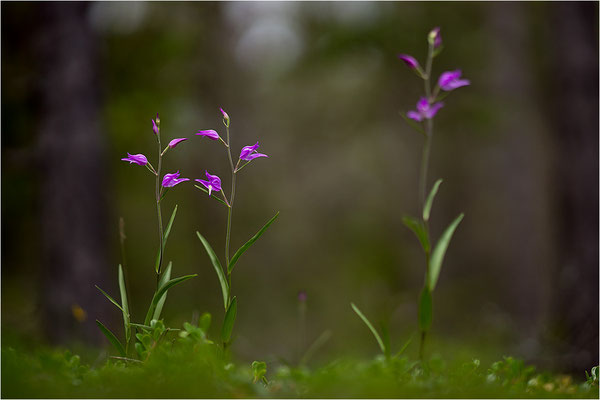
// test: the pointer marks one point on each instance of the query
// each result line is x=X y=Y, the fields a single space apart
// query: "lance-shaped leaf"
x=437 y=256
x=418 y=229
x=161 y=291
x=166 y=276
x=111 y=299
x=229 y=321
x=165 y=237
x=125 y=304
x=429 y=201
x=425 y=310
x=218 y=269
x=249 y=243
x=370 y=326
x=111 y=338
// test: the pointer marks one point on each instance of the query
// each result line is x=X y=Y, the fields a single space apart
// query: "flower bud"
x=225 y=118
x=435 y=37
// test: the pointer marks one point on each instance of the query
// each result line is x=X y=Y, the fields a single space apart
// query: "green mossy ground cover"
x=197 y=370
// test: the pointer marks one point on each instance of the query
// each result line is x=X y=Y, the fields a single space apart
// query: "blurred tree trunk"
x=71 y=153
x=573 y=102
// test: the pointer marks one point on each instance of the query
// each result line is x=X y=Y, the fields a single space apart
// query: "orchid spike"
x=173 y=179
x=211 y=134
x=450 y=80
x=175 y=142
x=212 y=184
x=410 y=61
x=138 y=159
x=425 y=110
x=249 y=153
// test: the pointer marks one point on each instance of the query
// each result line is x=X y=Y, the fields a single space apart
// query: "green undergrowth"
x=188 y=369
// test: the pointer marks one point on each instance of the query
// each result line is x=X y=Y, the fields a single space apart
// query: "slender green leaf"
x=413 y=124
x=140 y=326
x=425 y=310
x=165 y=237
x=317 y=344
x=218 y=269
x=111 y=338
x=212 y=197
x=249 y=243
x=419 y=230
x=429 y=202
x=437 y=256
x=125 y=305
x=229 y=321
x=110 y=298
x=161 y=291
x=166 y=276
x=368 y=323
x=404 y=346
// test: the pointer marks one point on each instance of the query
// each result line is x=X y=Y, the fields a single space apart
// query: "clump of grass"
x=187 y=366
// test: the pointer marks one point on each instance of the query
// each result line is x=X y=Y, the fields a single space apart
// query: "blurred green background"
x=320 y=86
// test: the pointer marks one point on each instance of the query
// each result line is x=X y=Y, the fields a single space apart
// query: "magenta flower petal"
x=154 y=126
x=430 y=113
x=213 y=183
x=211 y=134
x=414 y=115
x=173 y=179
x=410 y=61
x=422 y=105
x=248 y=153
x=175 y=142
x=252 y=156
x=450 y=80
x=138 y=159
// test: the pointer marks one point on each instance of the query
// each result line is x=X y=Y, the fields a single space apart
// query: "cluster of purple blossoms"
x=213 y=184
x=448 y=81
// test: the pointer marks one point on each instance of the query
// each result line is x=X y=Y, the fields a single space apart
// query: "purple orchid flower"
x=450 y=80
x=249 y=153
x=154 y=125
x=213 y=183
x=175 y=142
x=138 y=159
x=225 y=116
x=436 y=36
x=211 y=134
x=410 y=61
x=173 y=179
x=424 y=110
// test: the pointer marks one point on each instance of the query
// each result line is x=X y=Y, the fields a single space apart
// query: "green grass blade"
x=368 y=323
x=218 y=269
x=111 y=338
x=212 y=197
x=249 y=243
x=166 y=276
x=165 y=237
x=419 y=230
x=429 y=202
x=110 y=299
x=413 y=124
x=404 y=346
x=161 y=291
x=229 y=321
x=425 y=310
x=140 y=326
x=437 y=256
x=125 y=304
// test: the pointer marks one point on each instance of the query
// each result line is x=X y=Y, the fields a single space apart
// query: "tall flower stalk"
x=421 y=119
x=213 y=185
x=163 y=278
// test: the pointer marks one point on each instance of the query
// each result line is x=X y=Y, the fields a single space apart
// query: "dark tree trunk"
x=71 y=157
x=573 y=94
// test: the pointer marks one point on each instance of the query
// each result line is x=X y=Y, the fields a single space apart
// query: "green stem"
x=158 y=211
x=422 y=345
x=229 y=212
